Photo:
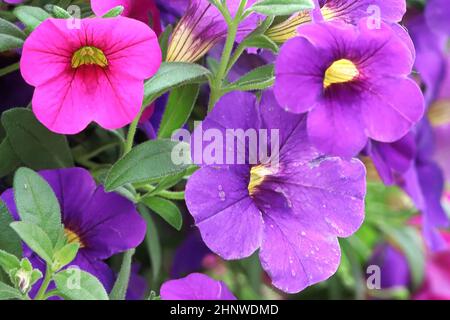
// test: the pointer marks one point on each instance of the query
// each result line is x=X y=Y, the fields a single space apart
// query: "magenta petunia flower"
x=195 y=286
x=102 y=223
x=142 y=10
x=91 y=73
x=203 y=26
x=292 y=212
x=347 y=11
x=353 y=82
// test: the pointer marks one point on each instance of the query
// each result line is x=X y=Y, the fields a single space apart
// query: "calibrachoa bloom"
x=142 y=10
x=91 y=73
x=424 y=183
x=437 y=13
x=396 y=272
x=203 y=26
x=103 y=224
x=348 y=11
x=431 y=60
x=195 y=286
x=292 y=212
x=352 y=81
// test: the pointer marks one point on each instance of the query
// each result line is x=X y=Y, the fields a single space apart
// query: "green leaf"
x=8 y=293
x=257 y=79
x=64 y=256
x=9 y=240
x=8 y=261
x=166 y=209
x=35 y=238
x=171 y=75
x=261 y=41
x=114 y=12
x=76 y=284
x=8 y=42
x=36 y=202
x=34 y=144
x=60 y=13
x=30 y=16
x=11 y=37
x=120 y=288
x=149 y=160
x=281 y=7
x=152 y=241
x=170 y=181
x=8 y=28
x=164 y=40
x=10 y=161
x=178 y=109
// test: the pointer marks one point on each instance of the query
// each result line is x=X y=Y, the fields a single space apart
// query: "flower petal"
x=218 y=199
x=390 y=109
x=335 y=125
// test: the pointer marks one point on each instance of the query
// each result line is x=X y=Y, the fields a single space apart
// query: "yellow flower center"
x=72 y=237
x=257 y=176
x=341 y=71
x=89 y=56
x=439 y=113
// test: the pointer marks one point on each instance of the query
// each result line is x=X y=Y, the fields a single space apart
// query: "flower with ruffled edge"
x=348 y=11
x=292 y=210
x=142 y=10
x=103 y=224
x=195 y=286
x=353 y=83
x=92 y=73
x=203 y=26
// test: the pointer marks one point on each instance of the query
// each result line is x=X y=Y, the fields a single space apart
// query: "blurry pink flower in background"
x=142 y=10
x=94 y=73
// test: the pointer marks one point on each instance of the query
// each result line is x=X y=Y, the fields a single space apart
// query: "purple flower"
x=292 y=212
x=392 y=159
x=203 y=26
x=437 y=13
x=171 y=10
x=14 y=1
x=347 y=11
x=431 y=59
x=195 y=286
x=189 y=255
x=102 y=223
x=353 y=82
x=393 y=266
x=424 y=183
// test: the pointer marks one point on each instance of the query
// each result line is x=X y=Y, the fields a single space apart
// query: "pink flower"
x=91 y=73
x=142 y=10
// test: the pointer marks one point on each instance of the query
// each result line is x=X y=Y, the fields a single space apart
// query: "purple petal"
x=218 y=199
x=195 y=286
x=391 y=108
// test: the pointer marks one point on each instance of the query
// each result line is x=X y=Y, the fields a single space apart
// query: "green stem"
x=51 y=293
x=224 y=66
x=9 y=69
x=172 y=195
x=132 y=132
x=48 y=277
